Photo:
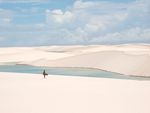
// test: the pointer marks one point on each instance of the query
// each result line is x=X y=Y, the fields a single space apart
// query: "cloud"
x=84 y=22
x=131 y=35
x=58 y=16
x=83 y=5
x=107 y=22
x=5 y=16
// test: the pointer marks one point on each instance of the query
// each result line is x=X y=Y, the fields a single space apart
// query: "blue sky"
x=54 y=22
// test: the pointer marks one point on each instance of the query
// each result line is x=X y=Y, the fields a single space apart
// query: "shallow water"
x=84 y=72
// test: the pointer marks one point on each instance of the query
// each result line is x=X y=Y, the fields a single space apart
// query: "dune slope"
x=31 y=93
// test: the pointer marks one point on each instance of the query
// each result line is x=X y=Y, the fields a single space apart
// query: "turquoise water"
x=84 y=72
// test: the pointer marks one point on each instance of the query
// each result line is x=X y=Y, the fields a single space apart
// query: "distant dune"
x=126 y=59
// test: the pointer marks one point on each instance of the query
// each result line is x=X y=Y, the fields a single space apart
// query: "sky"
x=67 y=22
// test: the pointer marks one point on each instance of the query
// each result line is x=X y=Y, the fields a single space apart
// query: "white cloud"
x=59 y=16
x=130 y=35
x=107 y=21
x=5 y=16
x=82 y=5
x=90 y=22
x=87 y=22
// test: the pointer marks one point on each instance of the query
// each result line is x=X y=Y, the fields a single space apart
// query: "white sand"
x=29 y=93
x=125 y=59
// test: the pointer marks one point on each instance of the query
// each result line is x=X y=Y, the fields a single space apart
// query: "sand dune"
x=30 y=93
x=108 y=60
x=126 y=59
x=28 y=54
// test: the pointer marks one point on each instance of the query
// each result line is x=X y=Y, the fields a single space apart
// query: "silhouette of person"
x=44 y=73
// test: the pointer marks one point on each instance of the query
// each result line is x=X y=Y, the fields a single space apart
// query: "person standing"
x=45 y=74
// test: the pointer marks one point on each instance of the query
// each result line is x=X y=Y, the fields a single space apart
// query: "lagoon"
x=83 y=72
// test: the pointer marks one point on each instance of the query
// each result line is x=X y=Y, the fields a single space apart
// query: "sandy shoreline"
x=128 y=59
x=31 y=93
